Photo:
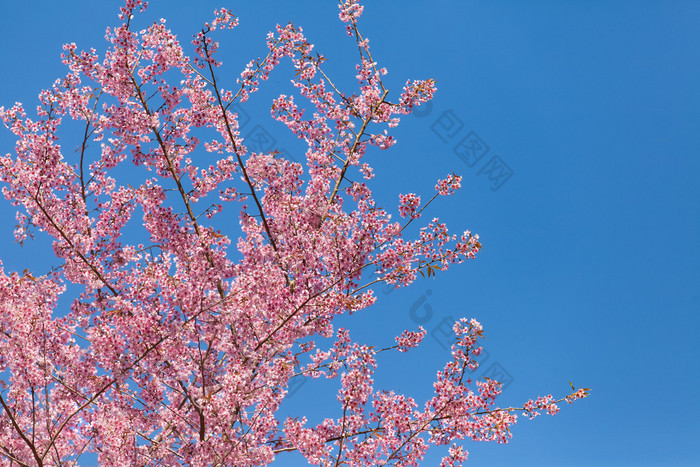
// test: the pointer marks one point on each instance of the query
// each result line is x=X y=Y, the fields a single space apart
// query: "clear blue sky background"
x=590 y=266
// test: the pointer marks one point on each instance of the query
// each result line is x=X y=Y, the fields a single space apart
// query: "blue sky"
x=587 y=200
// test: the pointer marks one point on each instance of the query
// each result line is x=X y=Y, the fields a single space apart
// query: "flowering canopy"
x=178 y=351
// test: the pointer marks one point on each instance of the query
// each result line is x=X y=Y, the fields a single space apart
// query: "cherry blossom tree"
x=178 y=350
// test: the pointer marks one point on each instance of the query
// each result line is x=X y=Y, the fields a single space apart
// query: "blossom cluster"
x=409 y=339
x=181 y=341
x=408 y=205
x=350 y=11
x=449 y=185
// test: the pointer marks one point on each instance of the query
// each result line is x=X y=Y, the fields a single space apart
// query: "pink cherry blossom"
x=180 y=341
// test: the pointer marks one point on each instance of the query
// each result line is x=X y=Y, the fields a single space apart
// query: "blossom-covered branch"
x=177 y=349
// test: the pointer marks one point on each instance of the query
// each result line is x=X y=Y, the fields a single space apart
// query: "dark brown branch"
x=39 y=459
